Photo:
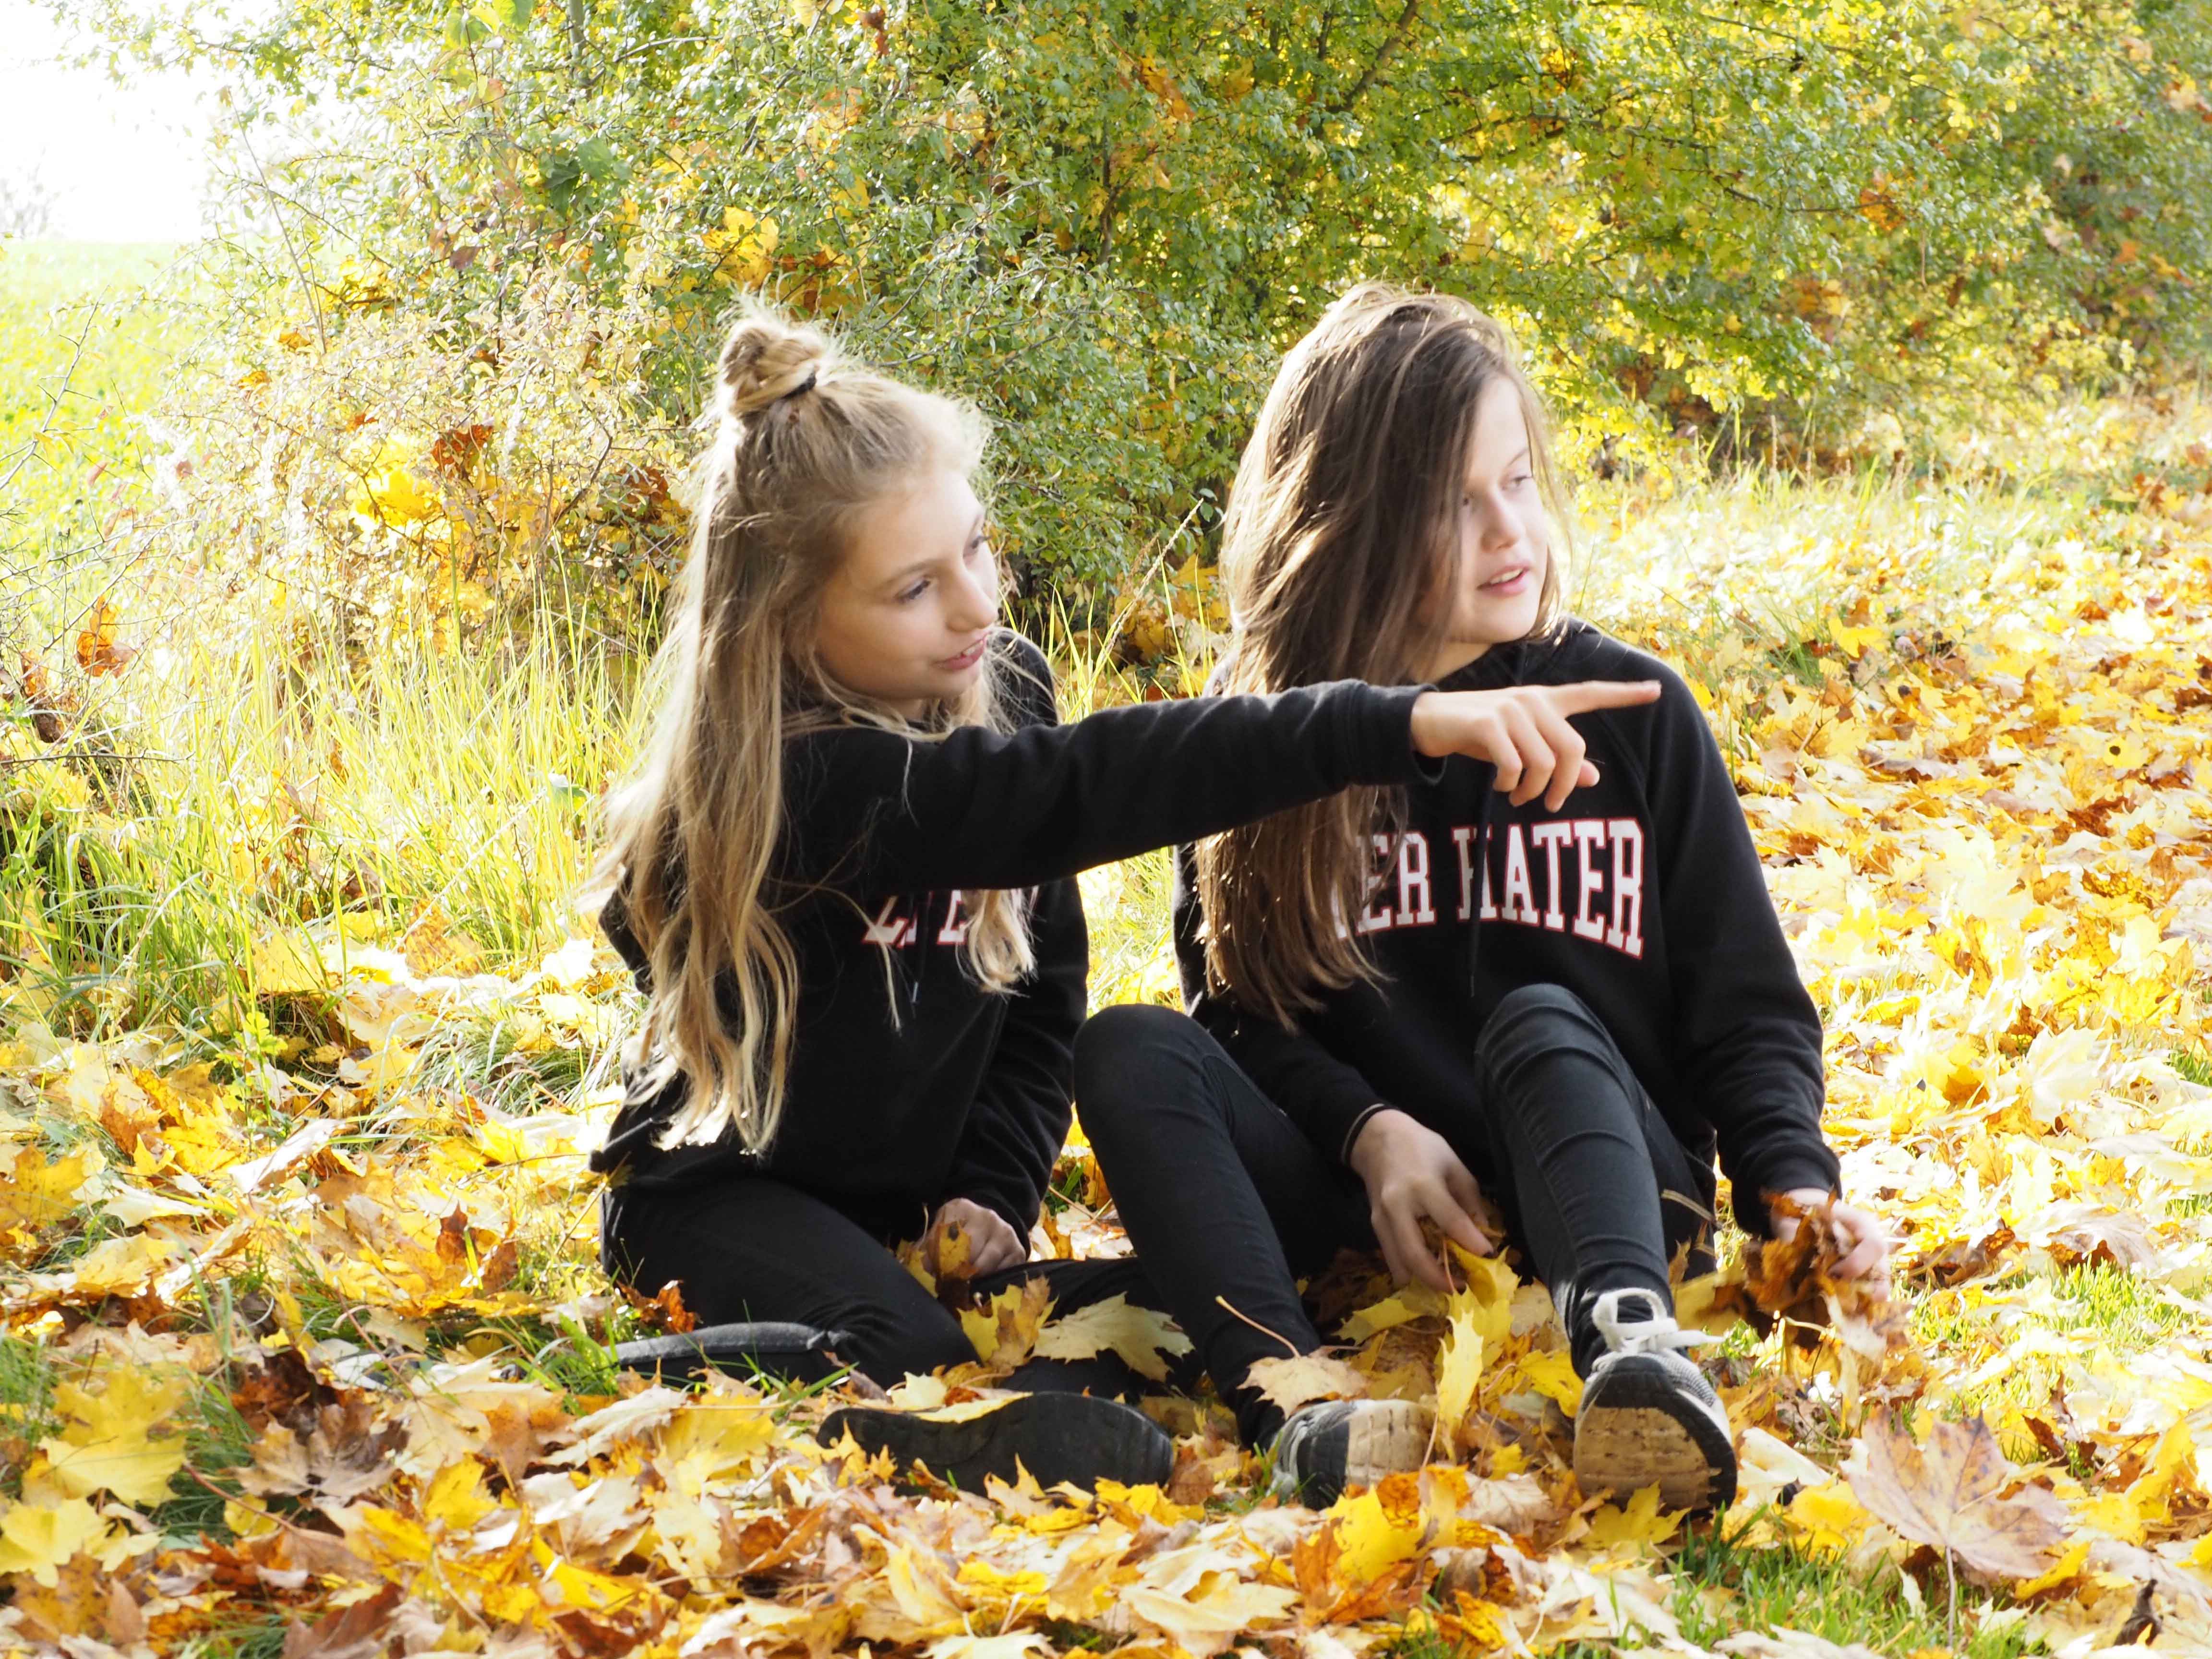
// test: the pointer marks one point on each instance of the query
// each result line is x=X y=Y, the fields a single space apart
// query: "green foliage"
x=1106 y=223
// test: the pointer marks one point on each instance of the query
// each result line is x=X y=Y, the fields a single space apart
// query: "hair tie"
x=806 y=385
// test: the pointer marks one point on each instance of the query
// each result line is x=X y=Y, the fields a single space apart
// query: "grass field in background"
x=461 y=786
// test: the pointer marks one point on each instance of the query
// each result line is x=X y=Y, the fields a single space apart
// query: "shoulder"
x=1024 y=678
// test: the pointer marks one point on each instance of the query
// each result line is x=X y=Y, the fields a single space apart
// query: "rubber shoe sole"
x=1640 y=1425
x=1075 y=1437
x=1350 y=1442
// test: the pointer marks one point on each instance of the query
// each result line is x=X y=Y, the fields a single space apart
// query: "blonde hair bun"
x=766 y=358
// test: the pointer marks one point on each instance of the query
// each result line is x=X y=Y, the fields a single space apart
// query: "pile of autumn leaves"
x=281 y=1353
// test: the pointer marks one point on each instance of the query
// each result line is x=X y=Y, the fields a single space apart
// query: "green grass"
x=261 y=1637
x=2124 y=1311
x=418 y=792
x=86 y=346
x=1721 y=1589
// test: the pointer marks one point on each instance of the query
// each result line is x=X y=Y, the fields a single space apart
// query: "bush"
x=1106 y=224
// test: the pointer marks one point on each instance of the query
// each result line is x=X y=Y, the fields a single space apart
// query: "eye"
x=908 y=595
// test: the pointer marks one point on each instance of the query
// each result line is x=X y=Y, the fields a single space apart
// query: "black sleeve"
x=1746 y=1035
x=1019 y=1120
x=874 y=811
x=1326 y=1098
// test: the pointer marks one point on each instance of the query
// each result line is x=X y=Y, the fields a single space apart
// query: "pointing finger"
x=1585 y=696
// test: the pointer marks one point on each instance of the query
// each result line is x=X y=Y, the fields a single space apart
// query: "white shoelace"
x=1655 y=1332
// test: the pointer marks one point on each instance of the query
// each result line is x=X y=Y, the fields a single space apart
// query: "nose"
x=1496 y=523
x=975 y=596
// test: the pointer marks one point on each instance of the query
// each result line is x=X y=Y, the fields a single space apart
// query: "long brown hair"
x=1336 y=551
x=804 y=440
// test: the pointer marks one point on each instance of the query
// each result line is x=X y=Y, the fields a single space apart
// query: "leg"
x=1585 y=1158
x=1225 y=1200
x=1588 y=1162
x=753 y=1249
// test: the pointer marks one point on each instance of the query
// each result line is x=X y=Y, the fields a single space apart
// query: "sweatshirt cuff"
x=1782 y=1175
x=1007 y=1206
x=1378 y=727
x=1352 y=1132
x=1332 y=1121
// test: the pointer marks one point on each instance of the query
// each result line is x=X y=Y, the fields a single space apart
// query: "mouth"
x=967 y=659
x=1507 y=582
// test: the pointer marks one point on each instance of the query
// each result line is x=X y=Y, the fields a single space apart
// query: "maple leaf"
x=39 y=1192
x=946 y=1257
x=1004 y=1329
x=356 y=1631
x=1945 y=1492
x=348 y=1451
x=1288 y=1384
x=1372 y=1531
x=1400 y=1308
x=109 y=1441
x=1638 y=1524
x=1215 y=1616
x=86 y=1600
x=40 y=1538
x=1142 y=1336
x=1459 y=1367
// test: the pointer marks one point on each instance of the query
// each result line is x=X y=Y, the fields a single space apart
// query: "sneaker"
x=1055 y=1436
x=1332 y=1445
x=795 y=1353
x=1648 y=1417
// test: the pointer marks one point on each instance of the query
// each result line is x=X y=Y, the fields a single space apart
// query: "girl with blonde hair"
x=1412 y=995
x=842 y=873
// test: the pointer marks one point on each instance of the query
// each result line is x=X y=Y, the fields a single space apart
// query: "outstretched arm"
x=873 y=811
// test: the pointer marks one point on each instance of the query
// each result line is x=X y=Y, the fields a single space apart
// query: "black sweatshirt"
x=1644 y=896
x=965 y=1094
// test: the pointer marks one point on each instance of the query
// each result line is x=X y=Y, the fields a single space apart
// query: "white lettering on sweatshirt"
x=1585 y=877
x=899 y=923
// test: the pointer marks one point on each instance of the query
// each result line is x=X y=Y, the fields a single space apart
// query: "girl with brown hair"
x=842 y=873
x=1412 y=994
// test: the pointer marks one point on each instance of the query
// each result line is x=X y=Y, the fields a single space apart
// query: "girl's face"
x=1495 y=583
x=905 y=618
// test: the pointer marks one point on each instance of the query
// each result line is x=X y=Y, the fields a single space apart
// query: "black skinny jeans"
x=1229 y=1203
x=754 y=1249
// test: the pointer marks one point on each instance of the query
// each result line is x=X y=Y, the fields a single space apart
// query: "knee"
x=1538 y=1016
x=1120 y=1056
x=1534 y=1022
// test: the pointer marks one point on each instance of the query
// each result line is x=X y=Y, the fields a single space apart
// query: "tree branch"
x=1388 y=50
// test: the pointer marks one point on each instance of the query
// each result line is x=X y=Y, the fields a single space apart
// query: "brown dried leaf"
x=355 y=1632
x=1946 y=1493
x=664 y=1311
x=947 y=1255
